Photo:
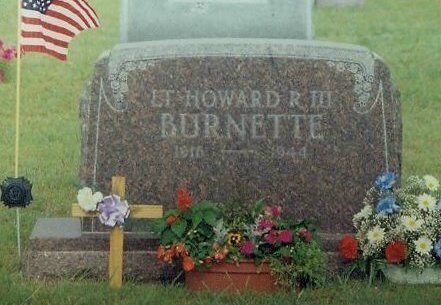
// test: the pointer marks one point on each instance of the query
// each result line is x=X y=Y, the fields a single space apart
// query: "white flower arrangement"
x=112 y=209
x=87 y=200
x=401 y=225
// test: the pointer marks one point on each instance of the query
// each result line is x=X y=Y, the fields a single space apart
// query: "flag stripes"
x=49 y=26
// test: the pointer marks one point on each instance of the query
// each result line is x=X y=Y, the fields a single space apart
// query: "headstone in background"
x=341 y=3
x=308 y=125
x=146 y=20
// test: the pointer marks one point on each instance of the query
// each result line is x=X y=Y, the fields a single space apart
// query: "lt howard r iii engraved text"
x=242 y=116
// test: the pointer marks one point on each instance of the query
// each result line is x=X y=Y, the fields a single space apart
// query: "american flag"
x=47 y=26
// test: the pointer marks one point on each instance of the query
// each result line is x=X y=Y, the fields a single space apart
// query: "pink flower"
x=305 y=234
x=271 y=238
x=265 y=225
x=273 y=211
x=285 y=236
x=8 y=54
x=247 y=248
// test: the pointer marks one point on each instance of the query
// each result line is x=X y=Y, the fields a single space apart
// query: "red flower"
x=188 y=263
x=160 y=252
x=184 y=199
x=247 y=248
x=271 y=238
x=171 y=219
x=168 y=256
x=180 y=249
x=285 y=236
x=219 y=256
x=348 y=247
x=396 y=252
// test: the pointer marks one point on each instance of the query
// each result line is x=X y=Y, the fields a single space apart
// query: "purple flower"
x=113 y=211
x=388 y=205
x=385 y=181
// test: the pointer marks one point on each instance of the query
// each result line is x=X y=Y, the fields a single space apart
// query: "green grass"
x=407 y=34
x=13 y=290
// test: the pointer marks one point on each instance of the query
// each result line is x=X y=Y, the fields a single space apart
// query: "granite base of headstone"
x=340 y=3
x=58 y=248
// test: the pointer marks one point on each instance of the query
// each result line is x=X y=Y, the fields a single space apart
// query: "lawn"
x=407 y=34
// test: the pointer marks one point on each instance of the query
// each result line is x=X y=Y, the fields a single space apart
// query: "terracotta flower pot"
x=231 y=277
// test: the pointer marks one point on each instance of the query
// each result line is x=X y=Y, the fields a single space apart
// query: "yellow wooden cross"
x=137 y=211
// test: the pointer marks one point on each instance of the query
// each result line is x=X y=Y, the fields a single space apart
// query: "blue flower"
x=437 y=249
x=385 y=181
x=387 y=206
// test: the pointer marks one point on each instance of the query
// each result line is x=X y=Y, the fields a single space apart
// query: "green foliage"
x=307 y=265
x=179 y=228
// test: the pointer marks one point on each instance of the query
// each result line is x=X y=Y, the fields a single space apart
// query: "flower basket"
x=203 y=237
x=400 y=227
x=401 y=275
x=233 y=278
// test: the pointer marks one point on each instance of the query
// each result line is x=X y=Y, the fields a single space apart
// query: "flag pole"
x=17 y=116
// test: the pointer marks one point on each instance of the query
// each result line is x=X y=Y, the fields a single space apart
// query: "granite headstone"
x=305 y=124
x=146 y=20
x=339 y=3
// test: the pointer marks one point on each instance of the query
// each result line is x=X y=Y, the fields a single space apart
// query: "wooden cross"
x=137 y=211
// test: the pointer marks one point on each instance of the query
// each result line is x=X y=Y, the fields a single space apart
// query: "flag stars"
x=37 y=5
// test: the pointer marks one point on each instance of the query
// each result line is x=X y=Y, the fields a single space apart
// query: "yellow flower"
x=431 y=182
x=423 y=245
x=375 y=235
x=234 y=238
x=410 y=223
x=426 y=202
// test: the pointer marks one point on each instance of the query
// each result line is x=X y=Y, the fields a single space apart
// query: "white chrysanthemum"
x=365 y=212
x=426 y=202
x=375 y=235
x=410 y=223
x=431 y=182
x=87 y=200
x=423 y=245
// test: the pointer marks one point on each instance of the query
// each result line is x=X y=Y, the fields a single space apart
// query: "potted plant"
x=221 y=247
x=398 y=231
